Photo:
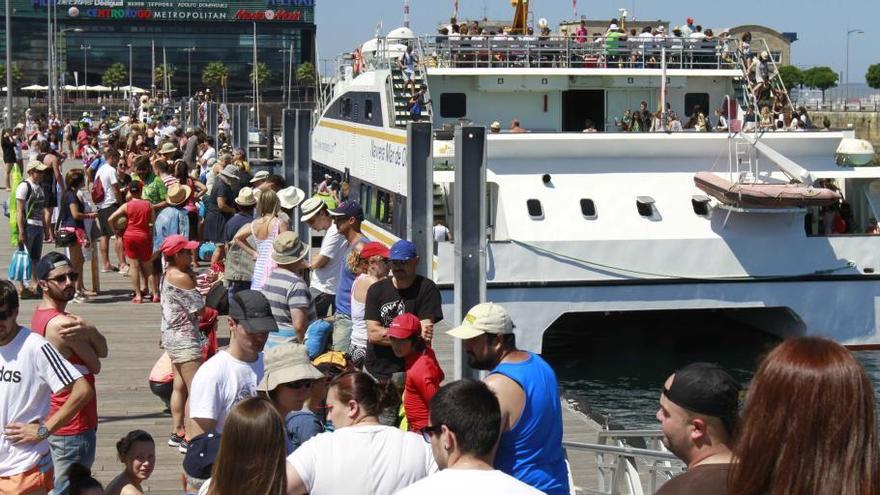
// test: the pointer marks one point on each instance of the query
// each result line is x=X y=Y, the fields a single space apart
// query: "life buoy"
x=358 y=61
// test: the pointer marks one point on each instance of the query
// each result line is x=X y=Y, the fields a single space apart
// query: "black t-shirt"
x=384 y=303
x=67 y=219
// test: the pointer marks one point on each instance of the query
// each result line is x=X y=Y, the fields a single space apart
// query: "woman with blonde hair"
x=264 y=231
x=252 y=452
x=826 y=443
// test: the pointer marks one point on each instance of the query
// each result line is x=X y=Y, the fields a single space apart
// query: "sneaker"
x=183 y=447
x=175 y=440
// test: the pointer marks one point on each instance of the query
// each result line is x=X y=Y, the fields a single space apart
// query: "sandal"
x=156 y=298
x=110 y=270
x=137 y=300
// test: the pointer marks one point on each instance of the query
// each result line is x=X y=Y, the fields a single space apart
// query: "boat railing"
x=621 y=467
x=571 y=52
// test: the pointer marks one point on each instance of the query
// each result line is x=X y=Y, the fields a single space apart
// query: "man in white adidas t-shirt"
x=465 y=426
x=231 y=375
x=31 y=370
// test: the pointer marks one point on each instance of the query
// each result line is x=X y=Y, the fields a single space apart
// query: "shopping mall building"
x=187 y=34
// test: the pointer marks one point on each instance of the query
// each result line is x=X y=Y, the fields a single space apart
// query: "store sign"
x=269 y=15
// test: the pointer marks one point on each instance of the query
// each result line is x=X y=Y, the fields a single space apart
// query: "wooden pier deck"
x=125 y=402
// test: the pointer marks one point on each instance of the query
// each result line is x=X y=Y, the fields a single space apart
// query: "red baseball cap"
x=173 y=244
x=404 y=326
x=374 y=248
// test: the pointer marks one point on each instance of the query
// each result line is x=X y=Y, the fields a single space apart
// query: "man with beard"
x=82 y=345
x=530 y=448
x=698 y=412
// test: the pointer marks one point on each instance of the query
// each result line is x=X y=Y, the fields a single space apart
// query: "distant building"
x=218 y=30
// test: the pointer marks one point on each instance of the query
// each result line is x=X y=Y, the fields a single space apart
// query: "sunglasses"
x=399 y=263
x=429 y=431
x=59 y=279
x=298 y=384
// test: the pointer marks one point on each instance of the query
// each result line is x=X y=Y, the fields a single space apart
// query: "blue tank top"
x=532 y=450
x=346 y=280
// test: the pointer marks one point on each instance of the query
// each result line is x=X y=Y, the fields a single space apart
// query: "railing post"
x=242 y=117
x=470 y=231
x=288 y=151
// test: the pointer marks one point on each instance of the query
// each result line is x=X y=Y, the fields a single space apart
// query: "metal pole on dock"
x=233 y=122
x=288 y=150
x=419 y=192
x=302 y=177
x=193 y=113
x=470 y=231
x=241 y=130
x=270 y=137
x=211 y=118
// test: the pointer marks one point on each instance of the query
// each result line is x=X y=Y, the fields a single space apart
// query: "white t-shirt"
x=372 y=459
x=441 y=233
x=335 y=247
x=221 y=383
x=460 y=481
x=36 y=194
x=31 y=370
x=107 y=175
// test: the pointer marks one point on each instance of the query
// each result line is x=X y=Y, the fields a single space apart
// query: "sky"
x=821 y=26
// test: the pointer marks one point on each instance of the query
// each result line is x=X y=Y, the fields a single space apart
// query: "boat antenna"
x=378 y=28
x=406 y=13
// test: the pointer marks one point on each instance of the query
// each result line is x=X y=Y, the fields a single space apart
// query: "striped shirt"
x=287 y=291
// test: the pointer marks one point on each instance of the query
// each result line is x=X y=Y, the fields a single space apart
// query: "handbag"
x=19 y=266
x=63 y=237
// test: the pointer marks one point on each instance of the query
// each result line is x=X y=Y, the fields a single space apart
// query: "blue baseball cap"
x=402 y=250
x=348 y=209
x=201 y=454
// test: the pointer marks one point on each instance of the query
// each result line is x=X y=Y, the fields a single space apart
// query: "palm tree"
x=114 y=75
x=305 y=76
x=163 y=71
x=215 y=74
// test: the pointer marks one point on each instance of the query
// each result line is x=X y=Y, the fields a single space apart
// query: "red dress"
x=137 y=240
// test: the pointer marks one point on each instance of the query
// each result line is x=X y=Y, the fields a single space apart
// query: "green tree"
x=262 y=74
x=215 y=74
x=873 y=76
x=791 y=76
x=305 y=73
x=160 y=75
x=16 y=75
x=114 y=76
x=821 y=78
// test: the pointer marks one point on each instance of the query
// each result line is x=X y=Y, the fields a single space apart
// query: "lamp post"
x=9 y=64
x=129 y=75
x=846 y=85
x=59 y=69
x=189 y=51
x=85 y=49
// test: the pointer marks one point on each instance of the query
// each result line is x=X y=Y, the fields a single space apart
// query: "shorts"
x=137 y=249
x=35 y=480
x=103 y=219
x=408 y=75
x=81 y=236
x=184 y=355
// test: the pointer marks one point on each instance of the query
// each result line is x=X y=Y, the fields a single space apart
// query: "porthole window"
x=588 y=208
x=536 y=211
x=645 y=206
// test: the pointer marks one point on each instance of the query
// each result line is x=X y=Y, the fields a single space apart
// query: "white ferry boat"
x=611 y=221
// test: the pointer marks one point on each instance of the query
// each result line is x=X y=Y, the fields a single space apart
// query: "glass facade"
x=186 y=34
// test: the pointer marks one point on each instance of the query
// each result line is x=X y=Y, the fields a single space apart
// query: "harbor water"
x=613 y=366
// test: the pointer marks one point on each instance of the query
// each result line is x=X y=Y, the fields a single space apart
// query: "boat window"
x=700 y=203
x=645 y=206
x=536 y=211
x=588 y=208
x=346 y=107
x=693 y=99
x=368 y=110
x=453 y=105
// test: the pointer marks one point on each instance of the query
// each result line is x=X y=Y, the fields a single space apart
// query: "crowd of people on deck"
x=330 y=383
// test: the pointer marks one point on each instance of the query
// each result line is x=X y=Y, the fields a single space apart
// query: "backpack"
x=97 y=191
